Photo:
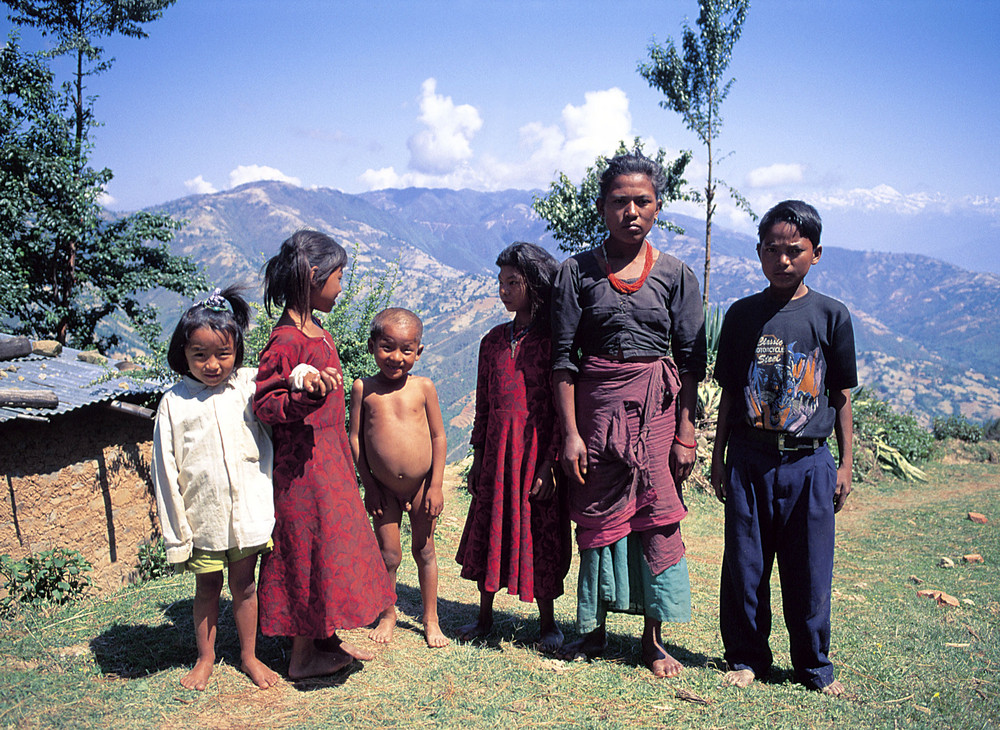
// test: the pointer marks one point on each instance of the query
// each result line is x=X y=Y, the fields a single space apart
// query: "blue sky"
x=854 y=105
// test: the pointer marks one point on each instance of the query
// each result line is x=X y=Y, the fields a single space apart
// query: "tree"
x=572 y=214
x=694 y=87
x=71 y=265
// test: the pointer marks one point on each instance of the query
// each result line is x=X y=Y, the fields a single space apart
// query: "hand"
x=313 y=385
x=719 y=479
x=682 y=461
x=374 y=501
x=544 y=485
x=472 y=478
x=574 y=458
x=844 y=477
x=333 y=379
x=434 y=502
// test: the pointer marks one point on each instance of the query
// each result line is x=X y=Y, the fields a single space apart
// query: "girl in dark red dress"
x=325 y=572
x=517 y=533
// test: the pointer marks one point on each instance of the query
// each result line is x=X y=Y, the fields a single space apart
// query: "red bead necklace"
x=624 y=287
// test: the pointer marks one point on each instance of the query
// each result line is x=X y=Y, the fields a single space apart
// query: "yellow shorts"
x=213 y=561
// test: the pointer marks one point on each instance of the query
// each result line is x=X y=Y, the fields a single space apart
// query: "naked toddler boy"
x=398 y=442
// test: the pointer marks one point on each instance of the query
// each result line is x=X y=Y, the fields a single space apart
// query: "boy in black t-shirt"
x=786 y=366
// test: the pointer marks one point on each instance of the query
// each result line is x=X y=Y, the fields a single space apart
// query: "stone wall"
x=81 y=481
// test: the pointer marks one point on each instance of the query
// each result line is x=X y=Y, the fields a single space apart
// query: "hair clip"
x=216 y=302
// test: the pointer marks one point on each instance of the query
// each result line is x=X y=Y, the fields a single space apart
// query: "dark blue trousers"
x=778 y=504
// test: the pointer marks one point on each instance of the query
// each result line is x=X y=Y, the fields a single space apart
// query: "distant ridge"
x=928 y=332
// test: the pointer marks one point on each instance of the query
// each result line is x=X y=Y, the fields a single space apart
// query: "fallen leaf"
x=940 y=597
x=978 y=517
x=972 y=558
x=689 y=696
x=915 y=580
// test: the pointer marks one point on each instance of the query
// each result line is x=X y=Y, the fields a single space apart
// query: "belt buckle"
x=781 y=441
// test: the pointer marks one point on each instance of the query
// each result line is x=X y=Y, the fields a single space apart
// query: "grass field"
x=906 y=661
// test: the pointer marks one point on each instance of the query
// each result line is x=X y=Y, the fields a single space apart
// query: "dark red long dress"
x=326 y=571
x=511 y=541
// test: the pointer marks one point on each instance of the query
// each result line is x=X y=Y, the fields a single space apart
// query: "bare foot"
x=584 y=649
x=550 y=640
x=197 y=678
x=435 y=638
x=834 y=689
x=477 y=630
x=318 y=664
x=739 y=678
x=382 y=633
x=660 y=663
x=261 y=674
x=334 y=643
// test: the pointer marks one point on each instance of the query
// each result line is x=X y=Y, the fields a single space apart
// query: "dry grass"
x=907 y=662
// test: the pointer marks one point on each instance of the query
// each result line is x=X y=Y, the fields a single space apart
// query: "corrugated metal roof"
x=72 y=380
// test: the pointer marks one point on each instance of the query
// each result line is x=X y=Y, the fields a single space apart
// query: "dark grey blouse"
x=665 y=317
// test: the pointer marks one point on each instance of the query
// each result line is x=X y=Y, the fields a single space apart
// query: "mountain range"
x=927 y=331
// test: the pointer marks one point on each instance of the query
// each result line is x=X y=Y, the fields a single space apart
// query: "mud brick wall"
x=83 y=482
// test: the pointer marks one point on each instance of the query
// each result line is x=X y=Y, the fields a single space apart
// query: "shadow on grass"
x=138 y=650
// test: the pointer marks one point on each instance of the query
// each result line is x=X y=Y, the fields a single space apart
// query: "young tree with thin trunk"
x=693 y=84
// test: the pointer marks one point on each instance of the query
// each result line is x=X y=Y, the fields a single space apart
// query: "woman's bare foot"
x=197 y=678
x=585 y=648
x=660 y=663
x=473 y=631
x=318 y=664
x=834 y=689
x=740 y=678
x=382 y=633
x=434 y=636
x=550 y=640
x=261 y=674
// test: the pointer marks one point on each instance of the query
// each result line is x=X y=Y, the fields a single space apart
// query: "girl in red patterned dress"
x=517 y=533
x=325 y=572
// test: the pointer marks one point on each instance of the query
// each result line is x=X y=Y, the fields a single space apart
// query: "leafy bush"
x=54 y=576
x=153 y=561
x=874 y=418
x=991 y=430
x=957 y=427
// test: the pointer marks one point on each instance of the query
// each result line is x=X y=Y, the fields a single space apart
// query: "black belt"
x=780 y=441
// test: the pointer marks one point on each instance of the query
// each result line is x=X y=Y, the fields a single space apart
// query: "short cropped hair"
x=398 y=316
x=634 y=163
x=225 y=312
x=794 y=212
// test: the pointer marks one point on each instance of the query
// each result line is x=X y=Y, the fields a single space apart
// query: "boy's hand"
x=374 y=502
x=719 y=479
x=574 y=458
x=434 y=501
x=544 y=486
x=844 y=477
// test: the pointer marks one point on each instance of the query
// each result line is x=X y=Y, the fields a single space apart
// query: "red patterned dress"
x=326 y=571
x=511 y=541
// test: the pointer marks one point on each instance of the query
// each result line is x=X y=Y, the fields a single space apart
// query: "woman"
x=627 y=413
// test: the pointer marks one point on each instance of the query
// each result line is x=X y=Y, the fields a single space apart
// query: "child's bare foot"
x=435 y=638
x=584 y=649
x=197 y=678
x=834 y=689
x=740 y=678
x=477 y=630
x=333 y=644
x=261 y=674
x=549 y=640
x=318 y=664
x=382 y=633
x=660 y=663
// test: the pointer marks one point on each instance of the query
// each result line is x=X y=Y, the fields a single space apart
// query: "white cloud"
x=774 y=175
x=442 y=153
x=445 y=142
x=200 y=186
x=252 y=173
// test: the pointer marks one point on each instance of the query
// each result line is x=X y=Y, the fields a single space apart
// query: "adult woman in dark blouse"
x=627 y=413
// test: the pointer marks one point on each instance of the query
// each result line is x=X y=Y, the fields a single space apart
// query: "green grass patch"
x=906 y=661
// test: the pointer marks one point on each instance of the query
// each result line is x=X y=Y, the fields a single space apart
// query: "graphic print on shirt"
x=784 y=385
